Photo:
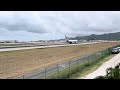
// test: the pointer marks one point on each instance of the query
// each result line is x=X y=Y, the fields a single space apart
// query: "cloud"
x=75 y=23
x=21 y=21
x=59 y=23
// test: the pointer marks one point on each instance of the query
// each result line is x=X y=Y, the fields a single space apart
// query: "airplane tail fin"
x=66 y=38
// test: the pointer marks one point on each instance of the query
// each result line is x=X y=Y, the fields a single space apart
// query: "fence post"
x=45 y=73
x=69 y=68
x=93 y=57
x=77 y=62
x=58 y=70
x=108 y=52
x=23 y=77
x=88 y=59
x=103 y=54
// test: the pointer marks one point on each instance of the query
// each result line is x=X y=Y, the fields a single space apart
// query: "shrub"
x=112 y=73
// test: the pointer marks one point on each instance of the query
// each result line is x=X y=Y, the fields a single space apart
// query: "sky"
x=50 y=25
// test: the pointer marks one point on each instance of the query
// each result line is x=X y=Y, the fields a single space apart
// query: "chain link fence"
x=64 y=70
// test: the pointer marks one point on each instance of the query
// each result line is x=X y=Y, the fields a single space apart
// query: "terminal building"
x=8 y=41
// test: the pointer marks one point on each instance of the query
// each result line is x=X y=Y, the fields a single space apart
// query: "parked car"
x=115 y=50
x=118 y=48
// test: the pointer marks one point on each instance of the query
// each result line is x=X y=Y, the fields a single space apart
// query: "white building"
x=8 y=41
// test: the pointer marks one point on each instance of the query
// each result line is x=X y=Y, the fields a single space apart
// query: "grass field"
x=15 y=63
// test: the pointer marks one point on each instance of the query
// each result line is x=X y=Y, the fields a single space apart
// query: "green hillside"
x=109 y=36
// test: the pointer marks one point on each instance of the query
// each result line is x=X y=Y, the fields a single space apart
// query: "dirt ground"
x=15 y=63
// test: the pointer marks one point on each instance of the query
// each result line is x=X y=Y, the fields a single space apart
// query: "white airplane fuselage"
x=72 y=41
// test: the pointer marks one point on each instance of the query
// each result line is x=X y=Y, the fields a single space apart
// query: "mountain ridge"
x=109 y=36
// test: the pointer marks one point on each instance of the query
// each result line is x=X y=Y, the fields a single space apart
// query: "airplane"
x=70 y=41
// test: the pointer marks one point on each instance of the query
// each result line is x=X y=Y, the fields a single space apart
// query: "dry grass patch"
x=15 y=63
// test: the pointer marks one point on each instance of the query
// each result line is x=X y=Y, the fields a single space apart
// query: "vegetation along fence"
x=66 y=69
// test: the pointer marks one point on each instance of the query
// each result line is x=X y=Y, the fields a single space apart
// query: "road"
x=33 y=47
x=102 y=70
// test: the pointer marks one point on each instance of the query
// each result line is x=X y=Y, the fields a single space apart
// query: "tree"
x=112 y=73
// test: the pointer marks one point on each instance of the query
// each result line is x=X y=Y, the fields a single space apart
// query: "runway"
x=13 y=48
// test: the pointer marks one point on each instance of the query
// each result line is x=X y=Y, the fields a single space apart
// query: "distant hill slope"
x=109 y=36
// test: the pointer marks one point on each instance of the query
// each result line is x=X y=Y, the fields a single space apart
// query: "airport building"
x=8 y=41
